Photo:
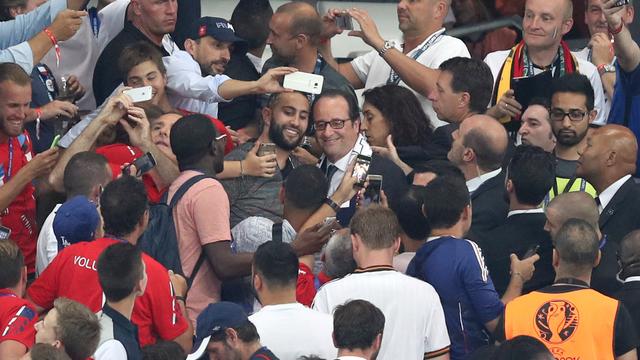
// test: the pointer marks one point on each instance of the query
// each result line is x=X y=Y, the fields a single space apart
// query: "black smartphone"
x=621 y=3
x=360 y=169
x=143 y=164
x=344 y=22
x=372 y=192
x=5 y=233
x=530 y=252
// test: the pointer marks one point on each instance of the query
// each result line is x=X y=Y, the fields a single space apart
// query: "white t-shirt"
x=496 y=59
x=414 y=319
x=374 y=71
x=80 y=53
x=188 y=89
x=47 y=246
x=293 y=330
x=111 y=350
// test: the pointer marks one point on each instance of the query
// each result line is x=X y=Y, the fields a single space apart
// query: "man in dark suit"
x=530 y=175
x=607 y=163
x=629 y=262
x=580 y=205
x=478 y=149
x=464 y=88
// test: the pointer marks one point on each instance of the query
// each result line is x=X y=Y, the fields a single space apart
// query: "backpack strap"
x=192 y=277
x=276 y=232
x=184 y=188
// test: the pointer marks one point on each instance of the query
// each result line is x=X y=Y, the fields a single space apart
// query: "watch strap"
x=332 y=204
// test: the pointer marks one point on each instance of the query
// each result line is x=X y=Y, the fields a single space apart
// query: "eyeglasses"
x=574 y=115
x=335 y=124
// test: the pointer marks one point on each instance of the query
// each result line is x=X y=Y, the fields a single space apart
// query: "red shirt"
x=20 y=216
x=17 y=319
x=72 y=274
x=119 y=154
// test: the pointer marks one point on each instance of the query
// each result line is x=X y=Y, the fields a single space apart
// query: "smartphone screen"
x=144 y=163
x=621 y=3
x=266 y=149
x=344 y=22
x=5 y=232
x=531 y=251
x=372 y=192
x=360 y=169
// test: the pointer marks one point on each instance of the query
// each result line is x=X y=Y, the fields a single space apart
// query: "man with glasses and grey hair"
x=336 y=117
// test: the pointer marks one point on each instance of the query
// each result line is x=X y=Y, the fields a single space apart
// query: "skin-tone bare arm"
x=115 y=109
x=268 y=83
x=40 y=165
x=12 y=350
x=185 y=340
x=602 y=54
x=627 y=50
x=65 y=25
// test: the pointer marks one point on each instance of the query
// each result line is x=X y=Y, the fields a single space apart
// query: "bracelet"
x=241 y=169
x=181 y=298
x=617 y=30
x=332 y=204
x=54 y=41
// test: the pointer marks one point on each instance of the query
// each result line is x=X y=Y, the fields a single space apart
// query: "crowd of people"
x=164 y=196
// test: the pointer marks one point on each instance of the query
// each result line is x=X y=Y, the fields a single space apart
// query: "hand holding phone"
x=360 y=169
x=140 y=94
x=55 y=141
x=344 y=22
x=266 y=149
x=143 y=164
x=531 y=251
x=304 y=82
x=372 y=194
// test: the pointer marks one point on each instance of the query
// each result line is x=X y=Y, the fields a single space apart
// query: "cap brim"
x=197 y=354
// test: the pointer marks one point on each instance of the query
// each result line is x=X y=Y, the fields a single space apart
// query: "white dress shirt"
x=188 y=89
x=608 y=193
x=477 y=181
x=47 y=246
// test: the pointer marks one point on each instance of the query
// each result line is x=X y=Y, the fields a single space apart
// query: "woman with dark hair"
x=396 y=126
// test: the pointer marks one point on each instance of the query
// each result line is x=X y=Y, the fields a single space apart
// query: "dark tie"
x=599 y=204
x=330 y=172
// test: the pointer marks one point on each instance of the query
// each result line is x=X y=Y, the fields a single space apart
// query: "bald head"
x=630 y=254
x=488 y=139
x=610 y=154
x=573 y=205
x=304 y=19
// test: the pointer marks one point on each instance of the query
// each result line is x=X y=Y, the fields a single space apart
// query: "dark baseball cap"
x=214 y=318
x=75 y=221
x=218 y=28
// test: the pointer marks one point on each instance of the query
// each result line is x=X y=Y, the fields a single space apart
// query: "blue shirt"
x=625 y=107
x=456 y=269
x=15 y=33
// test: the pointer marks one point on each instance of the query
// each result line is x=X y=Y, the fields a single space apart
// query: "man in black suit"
x=580 y=205
x=478 y=149
x=530 y=175
x=629 y=262
x=463 y=89
x=607 y=162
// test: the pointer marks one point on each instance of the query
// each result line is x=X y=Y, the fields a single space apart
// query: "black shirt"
x=107 y=76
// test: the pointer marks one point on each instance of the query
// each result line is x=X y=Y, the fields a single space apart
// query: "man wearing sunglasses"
x=572 y=110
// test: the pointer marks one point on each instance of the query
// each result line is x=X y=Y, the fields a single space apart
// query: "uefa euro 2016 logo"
x=556 y=321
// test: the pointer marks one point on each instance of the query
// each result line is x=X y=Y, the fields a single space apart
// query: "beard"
x=276 y=134
x=570 y=137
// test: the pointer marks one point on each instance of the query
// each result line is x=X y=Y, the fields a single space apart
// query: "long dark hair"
x=408 y=123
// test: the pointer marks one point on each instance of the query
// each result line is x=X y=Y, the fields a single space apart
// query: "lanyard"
x=8 y=295
x=567 y=188
x=316 y=71
x=95 y=21
x=10 y=166
x=47 y=81
x=434 y=38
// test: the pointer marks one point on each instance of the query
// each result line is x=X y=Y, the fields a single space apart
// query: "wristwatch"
x=332 y=204
x=387 y=45
x=606 y=68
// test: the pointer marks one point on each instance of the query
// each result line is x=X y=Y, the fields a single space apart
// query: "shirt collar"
x=374 y=268
x=477 y=181
x=361 y=147
x=119 y=318
x=287 y=306
x=529 y=211
x=608 y=193
x=632 y=279
x=434 y=34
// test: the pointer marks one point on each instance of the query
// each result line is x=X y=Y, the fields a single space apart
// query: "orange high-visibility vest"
x=574 y=325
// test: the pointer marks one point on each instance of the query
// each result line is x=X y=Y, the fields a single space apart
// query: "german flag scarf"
x=518 y=64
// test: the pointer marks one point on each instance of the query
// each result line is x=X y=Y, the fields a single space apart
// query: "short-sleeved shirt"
x=456 y=269
x=414 y=321
x=374 y=71
x=17 y=319
x=201 y=217
x=625 y=105
x=20 y=216
x=254 y=195
x=72 y=274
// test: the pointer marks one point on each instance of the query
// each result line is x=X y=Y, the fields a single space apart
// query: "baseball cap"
x=218 y=28
x=76 y=220
x=215 y=318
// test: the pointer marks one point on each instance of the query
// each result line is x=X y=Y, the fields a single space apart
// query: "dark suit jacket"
x=630 y=298
x=489 y=207
x=241 y=110
x=621 y=216
x=518 y=234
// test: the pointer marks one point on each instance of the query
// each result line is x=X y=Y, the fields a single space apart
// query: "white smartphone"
x=140 y=94
x=304 y=82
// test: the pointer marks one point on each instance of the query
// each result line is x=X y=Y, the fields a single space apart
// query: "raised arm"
x=626 y=49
